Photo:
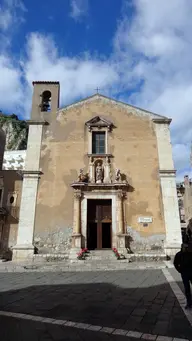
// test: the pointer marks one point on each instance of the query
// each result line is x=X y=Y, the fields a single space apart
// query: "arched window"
x=46 y=101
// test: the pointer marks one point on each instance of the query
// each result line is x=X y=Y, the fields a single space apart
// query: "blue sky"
x=137 y=51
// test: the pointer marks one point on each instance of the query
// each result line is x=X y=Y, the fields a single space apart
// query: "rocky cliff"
x=16 y=132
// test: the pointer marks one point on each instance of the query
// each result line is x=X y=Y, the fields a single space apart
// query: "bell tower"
x=45 y=99
x=45 y=103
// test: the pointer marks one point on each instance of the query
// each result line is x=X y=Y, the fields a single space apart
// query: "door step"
x=108 y=257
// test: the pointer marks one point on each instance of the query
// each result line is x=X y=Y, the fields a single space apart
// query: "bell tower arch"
x=45 y=99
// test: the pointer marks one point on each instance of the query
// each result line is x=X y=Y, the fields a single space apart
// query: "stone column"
x=24 y=249
x=173 y=238
x=121 y=213
x=121 y=234
x=76 y=243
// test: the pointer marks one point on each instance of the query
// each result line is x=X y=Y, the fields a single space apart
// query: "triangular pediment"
x=99 y=121
x=122 y=105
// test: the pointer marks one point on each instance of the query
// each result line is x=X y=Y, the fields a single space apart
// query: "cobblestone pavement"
x=117 y=305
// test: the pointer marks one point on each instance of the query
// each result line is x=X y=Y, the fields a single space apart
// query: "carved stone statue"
x=118 y=175
x=82 y=177
x=99 y=173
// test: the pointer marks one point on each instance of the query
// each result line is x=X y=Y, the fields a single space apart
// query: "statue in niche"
x=82 y=177
x=99 y=173
x=118 y=175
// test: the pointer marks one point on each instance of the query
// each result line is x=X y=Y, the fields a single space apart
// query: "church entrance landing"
x=99 y=224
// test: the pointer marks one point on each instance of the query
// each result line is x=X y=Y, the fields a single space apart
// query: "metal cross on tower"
x=97 y=89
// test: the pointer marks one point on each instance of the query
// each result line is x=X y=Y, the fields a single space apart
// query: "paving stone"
x=177 y=339
x=82 y=325
x=149 y=337
x=99 y=299
x=120 y=332
x=107 y=330
x=95 y=328
x=134 y=334
x=59 y=322
x=139 y=312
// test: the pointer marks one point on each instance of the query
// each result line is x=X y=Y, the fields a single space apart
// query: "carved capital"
x=121 y=195
x=77 y=195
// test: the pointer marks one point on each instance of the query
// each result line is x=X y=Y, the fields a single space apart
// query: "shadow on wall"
x=132 y=303
x=10 y=225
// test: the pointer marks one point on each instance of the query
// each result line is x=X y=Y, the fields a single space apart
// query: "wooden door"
x=99 y=212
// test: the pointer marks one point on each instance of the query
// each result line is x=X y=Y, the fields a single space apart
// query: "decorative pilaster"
x=171 y=212
x=121 y=232
x=107 y=170
x=120 y=213
x=76 y=237
x=173 y=237
x=24 y=249
x=91 y=170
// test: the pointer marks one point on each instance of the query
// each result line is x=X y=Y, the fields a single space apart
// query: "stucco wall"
x=64 y=151
x=12 y=186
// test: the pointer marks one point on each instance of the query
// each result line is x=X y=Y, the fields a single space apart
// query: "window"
x=98 y=142
x=11 y=199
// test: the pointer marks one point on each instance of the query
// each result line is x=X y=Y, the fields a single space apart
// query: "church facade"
x=98 y=174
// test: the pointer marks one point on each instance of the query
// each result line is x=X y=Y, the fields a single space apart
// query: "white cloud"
x=11 y=89
x=152 y=56
x=5 y=19
x=11 y=95
x=78 y=76
x=11 y=13
x=157 y=46
x=79 y=8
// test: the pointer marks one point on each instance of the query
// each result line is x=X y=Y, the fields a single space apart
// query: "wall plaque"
x=145 y=220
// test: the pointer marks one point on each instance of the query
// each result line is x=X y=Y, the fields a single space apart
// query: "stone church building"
x=99 y=174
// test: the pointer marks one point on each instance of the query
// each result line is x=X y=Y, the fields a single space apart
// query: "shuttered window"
x=98 y=142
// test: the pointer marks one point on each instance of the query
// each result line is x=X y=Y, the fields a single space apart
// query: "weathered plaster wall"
x=64 y=151
x=12 y=186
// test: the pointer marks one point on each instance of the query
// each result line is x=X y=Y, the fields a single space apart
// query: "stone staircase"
x=106 y=260
x=97 y=260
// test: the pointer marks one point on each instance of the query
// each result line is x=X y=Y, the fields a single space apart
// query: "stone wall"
x=12 y=188
x=64 y=149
